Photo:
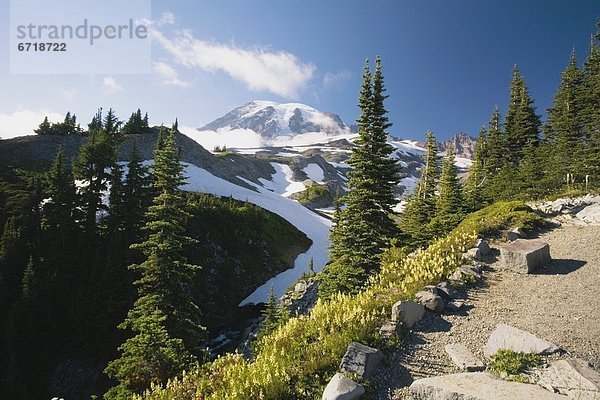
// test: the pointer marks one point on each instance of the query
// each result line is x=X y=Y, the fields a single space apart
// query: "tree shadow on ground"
x=560 y=266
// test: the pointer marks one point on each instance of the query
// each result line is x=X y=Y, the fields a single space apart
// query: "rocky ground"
x=558 y=304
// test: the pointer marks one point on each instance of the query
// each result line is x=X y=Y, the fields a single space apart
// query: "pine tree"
x=164 y=318
x=28 y=287
x=116 y=200
x=420 y=209
x=274 y=315
x=496 y=148
x=429 y=176
x=58 y=218
x=449 y=203
x=94 y=158
x=474 y=197
x=564 y=128
x=522 y=124
x=591 y=112
x=44 y=128
x=136 y=196
x=136 y=124
x=363 y=230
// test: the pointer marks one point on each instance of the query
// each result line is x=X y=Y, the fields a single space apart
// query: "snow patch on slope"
x=314 y=172
x=313 y=225
x=281 y=181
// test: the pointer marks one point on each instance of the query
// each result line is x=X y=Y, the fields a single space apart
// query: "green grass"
x=512 y=365
x=501 y=215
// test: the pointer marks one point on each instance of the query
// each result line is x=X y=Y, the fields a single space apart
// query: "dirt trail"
x=561 y=304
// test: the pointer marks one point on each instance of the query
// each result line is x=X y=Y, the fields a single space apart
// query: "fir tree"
x=164 y=318
x=420 y=209
x=449 y=205
x=474 y=197
x=136 y=195
x=29 y=284
x=363 y=230
x=565 y=125
x=522 y=124
x=58 y=218
x=496 y=148
x=44 y=128
x=591 y=112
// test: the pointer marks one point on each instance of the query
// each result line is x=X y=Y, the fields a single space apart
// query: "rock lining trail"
x=559 y=304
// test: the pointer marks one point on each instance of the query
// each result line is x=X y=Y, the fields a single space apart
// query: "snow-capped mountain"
x=270 y=120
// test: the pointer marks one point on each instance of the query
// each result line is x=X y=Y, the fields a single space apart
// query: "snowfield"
x=314 y=172
x=281 y=181
x=313 y=225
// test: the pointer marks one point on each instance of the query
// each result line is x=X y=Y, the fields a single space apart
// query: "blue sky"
x=446 y=62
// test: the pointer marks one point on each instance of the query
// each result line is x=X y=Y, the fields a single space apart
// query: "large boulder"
x=446 y=291
x=407 y=312
x=463 y=358
x=476 y=386
x=431 y=301
x=511 y=338
x=361 y=360
x=574 y=378
x=590 y=214
x=482 y=245
x=525 y=256
x=342 y=388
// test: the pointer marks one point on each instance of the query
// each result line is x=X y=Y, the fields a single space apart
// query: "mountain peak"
x=270 y=119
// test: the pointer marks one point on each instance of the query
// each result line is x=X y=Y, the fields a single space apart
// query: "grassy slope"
x=296 y=361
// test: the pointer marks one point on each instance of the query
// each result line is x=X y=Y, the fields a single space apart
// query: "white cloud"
x=336 y=79
x=168 y=74
x=110 y=85
x=23 y=122
x=167 y=18
x=259 y=69
x=237 y=138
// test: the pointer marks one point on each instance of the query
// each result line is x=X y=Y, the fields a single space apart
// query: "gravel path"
x=559 y=304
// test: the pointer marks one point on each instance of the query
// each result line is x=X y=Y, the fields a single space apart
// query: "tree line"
x=69 y=257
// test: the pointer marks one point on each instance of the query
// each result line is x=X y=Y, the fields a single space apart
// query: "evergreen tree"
x=44 y=128
x=564 y=128
x=164 y=318
x=274 y=315
x=58 y=213
x=496 y=148
x=420 y=209
x=474 y=197
x=93 y=162
x=429 y=176
x=522 y=124
x=449 y=203
x=591 y=112
x=363 y=230
x=116 y=209
x=29 y=280
x=136 y=124
x=136 y=196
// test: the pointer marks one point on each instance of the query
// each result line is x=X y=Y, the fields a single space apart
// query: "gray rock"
x=407 y=312
x=474 y=253
x=511 y=236
x=574 y=378
x=361 y=360
x=342 y=388
x=525 y=256
x=470 y=270
x=511 y=338
x=482 y=245
x=476 y=386
x=446 y=291
x=463 y=358
x=590 y=214
x=431 y=301
x=389 y=329
x=519 y=232
x=455 y=305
